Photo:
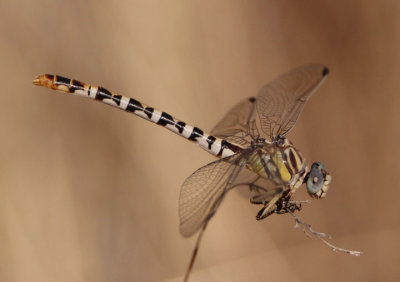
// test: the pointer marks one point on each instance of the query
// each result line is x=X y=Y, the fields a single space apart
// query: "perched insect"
x=250 y=142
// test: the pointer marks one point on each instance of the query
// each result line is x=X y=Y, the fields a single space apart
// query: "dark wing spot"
x=325 y=71
x=252 y=99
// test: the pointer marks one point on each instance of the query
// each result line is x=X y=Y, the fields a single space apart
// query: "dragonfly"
x=250 y=144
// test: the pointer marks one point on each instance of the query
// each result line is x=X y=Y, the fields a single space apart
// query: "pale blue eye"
x=315 y=179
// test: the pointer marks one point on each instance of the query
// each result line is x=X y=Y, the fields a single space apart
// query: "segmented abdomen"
x=211 y=144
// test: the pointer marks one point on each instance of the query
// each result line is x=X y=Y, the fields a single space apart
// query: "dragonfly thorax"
x=258 y=143
x=278 y=161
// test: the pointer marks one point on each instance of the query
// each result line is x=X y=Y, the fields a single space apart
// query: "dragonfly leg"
x=278 y=204
x=264 y=213
x=264 y=196
x=287 y=206
x=257 y=189
x=270 y=199
x=280 y=207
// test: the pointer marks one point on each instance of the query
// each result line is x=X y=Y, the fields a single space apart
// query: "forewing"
x=203 y=191
x=280 y=102
x=233 y=127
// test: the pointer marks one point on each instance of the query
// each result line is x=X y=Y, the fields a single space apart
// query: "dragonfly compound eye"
x=317 y=181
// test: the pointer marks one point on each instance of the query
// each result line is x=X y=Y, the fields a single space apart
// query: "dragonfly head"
x=317 y=180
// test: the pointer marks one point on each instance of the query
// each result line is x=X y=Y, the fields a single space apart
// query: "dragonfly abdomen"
x=215 y=146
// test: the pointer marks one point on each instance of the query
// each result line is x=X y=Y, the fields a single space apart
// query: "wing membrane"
x=275 y=111
x=280 y=102
x=203 y=191
x=233 y=127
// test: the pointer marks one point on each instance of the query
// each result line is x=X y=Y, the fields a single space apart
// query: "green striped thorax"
x=277 y=161
x=280 y=162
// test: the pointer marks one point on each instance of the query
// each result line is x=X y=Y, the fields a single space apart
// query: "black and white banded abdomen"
x=216 y=146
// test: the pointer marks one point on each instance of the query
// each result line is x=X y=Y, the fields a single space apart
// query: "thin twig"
x=306 y=228
x=194 y=253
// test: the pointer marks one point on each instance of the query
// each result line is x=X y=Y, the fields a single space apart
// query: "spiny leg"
x=269 y=199
x=279 y=204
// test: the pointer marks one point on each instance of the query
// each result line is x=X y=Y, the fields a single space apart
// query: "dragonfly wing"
x=280 y=102
x=203 y=191
x=268 y=196
x=233 y=127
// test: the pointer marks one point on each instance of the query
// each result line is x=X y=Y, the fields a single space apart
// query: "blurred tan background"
x=90 y=193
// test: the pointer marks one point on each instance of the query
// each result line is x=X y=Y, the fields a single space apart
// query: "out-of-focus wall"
x=89 y=193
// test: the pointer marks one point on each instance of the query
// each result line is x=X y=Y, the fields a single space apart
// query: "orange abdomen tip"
x=46 y=80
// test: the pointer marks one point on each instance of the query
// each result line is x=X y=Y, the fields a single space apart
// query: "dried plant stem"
x=308 y=231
